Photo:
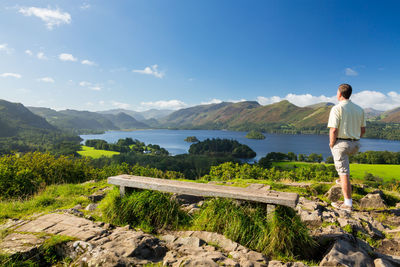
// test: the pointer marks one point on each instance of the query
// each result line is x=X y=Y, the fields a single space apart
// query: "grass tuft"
x=281 y=235
x=148 y=210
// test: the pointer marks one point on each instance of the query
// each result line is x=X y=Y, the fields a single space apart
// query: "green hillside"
x=21 y=130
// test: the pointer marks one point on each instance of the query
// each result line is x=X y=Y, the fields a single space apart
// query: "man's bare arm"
x=362 y=131
x=333 y=133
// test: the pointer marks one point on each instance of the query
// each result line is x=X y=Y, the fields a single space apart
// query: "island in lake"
x=255 y=135
x=191 y=139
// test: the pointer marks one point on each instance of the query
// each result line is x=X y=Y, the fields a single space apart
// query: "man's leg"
x=341 y=158
x=346 y=189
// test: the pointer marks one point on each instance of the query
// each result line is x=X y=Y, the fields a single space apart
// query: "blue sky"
x=98 y=55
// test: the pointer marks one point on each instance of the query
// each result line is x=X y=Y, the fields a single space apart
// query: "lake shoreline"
x=173 y=141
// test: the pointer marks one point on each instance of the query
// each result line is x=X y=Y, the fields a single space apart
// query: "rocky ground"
x=366 y=237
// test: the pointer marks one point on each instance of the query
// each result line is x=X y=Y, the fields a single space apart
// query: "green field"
x=357 y=171
x=88 y=151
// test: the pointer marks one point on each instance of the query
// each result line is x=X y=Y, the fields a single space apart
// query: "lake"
x=173 y=141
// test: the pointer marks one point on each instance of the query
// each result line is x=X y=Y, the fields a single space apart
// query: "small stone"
x=96 y=197
x=311 y=218
x=246 y=263
x=236 y=255
x=78 y=207
x=202 y=262
x=382 y=263
x=91 y=207
x=107 y=226
x=276 y=264
x=255 y=256
x=229 y=262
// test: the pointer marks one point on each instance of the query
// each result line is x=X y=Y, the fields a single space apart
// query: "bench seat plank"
x=205 y=190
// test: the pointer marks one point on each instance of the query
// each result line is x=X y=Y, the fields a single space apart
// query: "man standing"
x=347 y=126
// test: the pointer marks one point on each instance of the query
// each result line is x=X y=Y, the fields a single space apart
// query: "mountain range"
x=81 y=122
x=246 y=115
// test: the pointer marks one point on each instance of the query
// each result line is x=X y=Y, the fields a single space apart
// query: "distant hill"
x=88 y=122
x=142 y=116
x=203 y=115
x=371 y=113
x=248 y=115
x=134 y=114
x=22 y=130
x=391 y=115
x=321 y=105
x=156 y=113
x=124 y=121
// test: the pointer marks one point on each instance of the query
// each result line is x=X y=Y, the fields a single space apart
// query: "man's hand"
x=333 y=133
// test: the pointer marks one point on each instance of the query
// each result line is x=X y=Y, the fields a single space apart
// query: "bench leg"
x=270 y=210
x=122 y=190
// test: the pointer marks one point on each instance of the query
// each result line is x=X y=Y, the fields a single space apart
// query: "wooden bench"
x=204 y=190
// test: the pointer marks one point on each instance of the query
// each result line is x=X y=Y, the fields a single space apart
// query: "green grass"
x=52 y=198
x=357 y=171
x=88 y=151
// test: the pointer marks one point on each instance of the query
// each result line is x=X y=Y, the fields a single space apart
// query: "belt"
x=347 y=139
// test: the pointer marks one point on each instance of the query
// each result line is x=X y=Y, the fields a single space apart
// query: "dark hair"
x=345 y=90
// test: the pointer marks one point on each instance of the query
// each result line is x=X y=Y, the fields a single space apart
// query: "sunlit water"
x=173 y=141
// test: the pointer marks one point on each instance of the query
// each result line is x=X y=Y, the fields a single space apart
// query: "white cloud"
x=88 y=62
x=67 y=57
x=164 y=104
x=46 y=80
x=366 y=99
x=237 y=101
x=85 y=6
x=9 y=74
x=212 y=101
x=152 y=70
x=95 y=88
x=6 y=49
x=120 y=105
x=377 y=100
x=41 y=56
x=350 y=72
x=90 y=104
x=101 y=102
x=85 y=84
x=28 y=52
x=51 y=17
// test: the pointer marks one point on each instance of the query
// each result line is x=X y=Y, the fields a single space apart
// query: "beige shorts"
x=341 y=152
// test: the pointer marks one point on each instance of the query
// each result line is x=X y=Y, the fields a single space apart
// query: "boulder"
x=349 y=251
x=334 y=193
x=372 y=201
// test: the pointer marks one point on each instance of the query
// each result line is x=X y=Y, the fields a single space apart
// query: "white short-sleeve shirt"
x=348 y=118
